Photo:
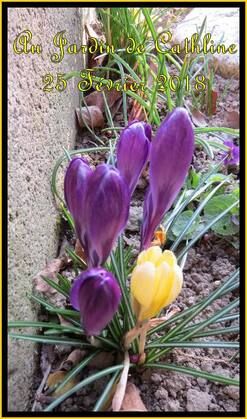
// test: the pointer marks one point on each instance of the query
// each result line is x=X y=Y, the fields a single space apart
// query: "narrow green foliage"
x=194 y=373
x=82 y=384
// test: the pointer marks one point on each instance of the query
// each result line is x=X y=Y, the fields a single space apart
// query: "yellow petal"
x=168 y=257
x=164 y=278
x=177 y=285
x=136 y=307
x=152 y=254
x=142 y=284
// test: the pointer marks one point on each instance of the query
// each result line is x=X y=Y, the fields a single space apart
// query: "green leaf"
x=105 y=395
x=205 y=229
x=195 y=373
x=193 y=344
x=73 y=373
x=217 y=177
x=82 y=384
x=216 y=206
x=45 y=325
x=194 y=178
x=56 y=286
x=194 y=216
x=194 y=194
x=64 y=282
x=181 y=223
x=76 y=259
x=51 y=340
x=210 y=130
x=193 y=313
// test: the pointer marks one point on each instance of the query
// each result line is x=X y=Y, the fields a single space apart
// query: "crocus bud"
x=170 y=158
x=99 y=203
x=96 y=294
x=106 y=209
x=156 y=282
x=75 y=184
x=132 y=151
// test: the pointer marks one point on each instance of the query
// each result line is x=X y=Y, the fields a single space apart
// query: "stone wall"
x=39 y=125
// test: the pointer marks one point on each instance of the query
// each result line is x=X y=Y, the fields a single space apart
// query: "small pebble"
x=161 y=393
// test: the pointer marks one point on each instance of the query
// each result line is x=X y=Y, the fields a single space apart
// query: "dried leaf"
x=153 y=69
x=132 y=401
x=137 y=112
x=139 y=329
x=76 y=356
x=63 y=321
x=50 y=271
x=79 y=250
x=90 y=31
x=121 y=386
x=92 y=115
x=102 y=360
x=232 y=119
x=198 y=118
x=214 y=96
x=73 y=359
x=96 y=99
x=56 y=378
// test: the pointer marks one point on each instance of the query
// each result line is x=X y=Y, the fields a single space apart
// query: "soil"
x=208 y=264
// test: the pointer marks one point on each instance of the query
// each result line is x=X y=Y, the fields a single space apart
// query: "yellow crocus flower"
x=156 y=282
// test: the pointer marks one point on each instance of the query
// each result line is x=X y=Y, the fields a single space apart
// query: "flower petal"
x=177 y=286
x=143 y=284
x=97 y=295
x=168 y=257
x=75 y=185
x=170 y=158
x=107 y=208
x=132 y=151
x=153 y=254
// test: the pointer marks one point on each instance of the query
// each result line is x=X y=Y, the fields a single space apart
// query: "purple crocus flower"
x=99 y=203
x=170 y=158
x=106 y=209
x=96 y=294
x=75 y=183
x=232 y=153
x=132 y=151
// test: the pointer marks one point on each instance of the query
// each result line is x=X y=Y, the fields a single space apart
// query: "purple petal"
x=96 y=294
x=236 y=154
x=107 y=208
x=132 y=151
x=233 y=153
x=75 y=184
x=228 y=143
x=170 y=158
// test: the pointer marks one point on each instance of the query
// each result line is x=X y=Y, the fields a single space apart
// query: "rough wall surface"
x=40 y=124
x=223 y=24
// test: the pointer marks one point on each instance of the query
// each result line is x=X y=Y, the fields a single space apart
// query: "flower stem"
x=142 y=342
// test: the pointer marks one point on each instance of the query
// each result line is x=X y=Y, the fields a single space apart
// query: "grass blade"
x=195 y=373
x=105 y=395
x=56 y=286
x=211 y=344
x=205 y=229
x=73 y=373
x=44 y=325
x=82 y=384
x=195 y=214
x=51 y=340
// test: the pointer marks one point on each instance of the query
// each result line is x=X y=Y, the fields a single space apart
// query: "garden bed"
x=208 y=265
